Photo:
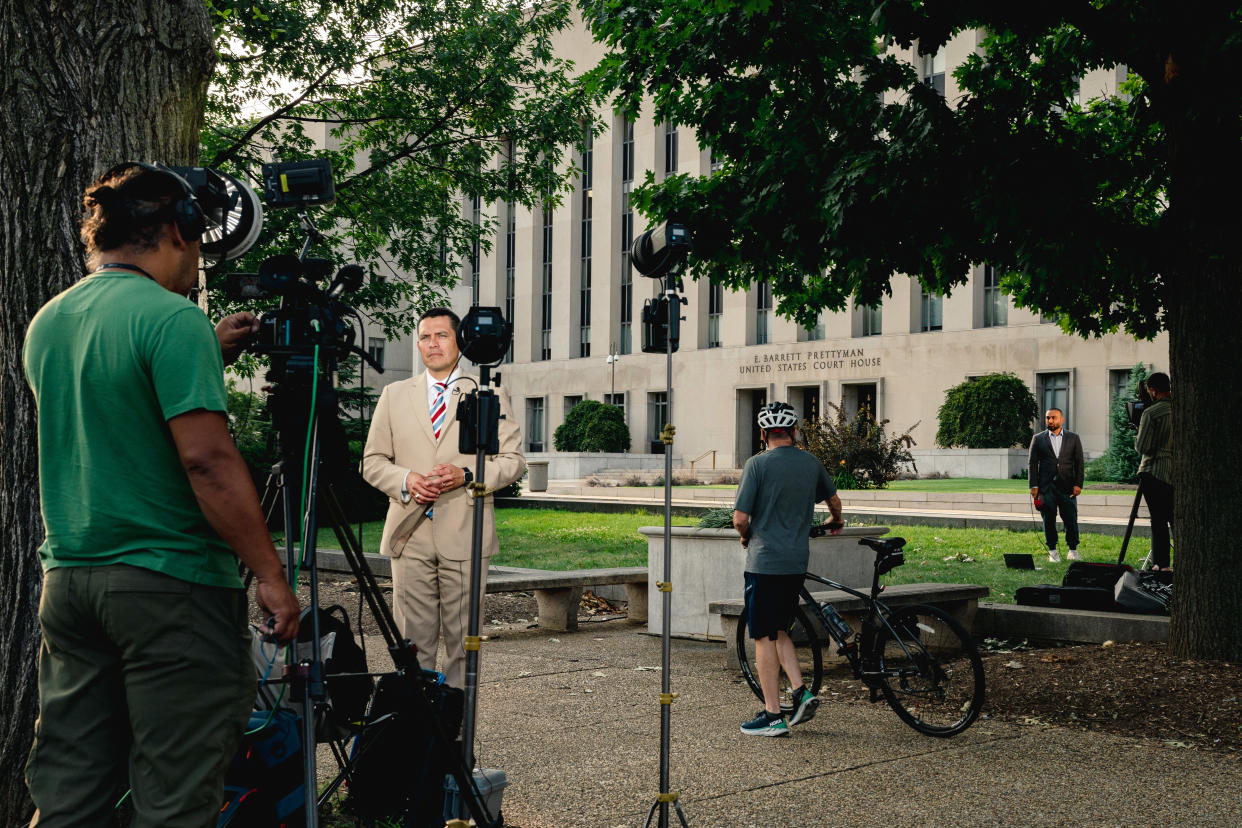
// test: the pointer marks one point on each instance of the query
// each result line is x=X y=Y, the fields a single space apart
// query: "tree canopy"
x=842 y=170
x=417 y=105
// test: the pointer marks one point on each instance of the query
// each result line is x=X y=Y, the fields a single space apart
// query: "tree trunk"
x=85 y=85
x=1205 y=338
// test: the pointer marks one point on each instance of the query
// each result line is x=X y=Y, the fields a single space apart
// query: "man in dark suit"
x=1055 y=474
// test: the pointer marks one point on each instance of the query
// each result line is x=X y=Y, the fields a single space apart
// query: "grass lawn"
x=977 y=556
x=556 y=539
x=984 y=486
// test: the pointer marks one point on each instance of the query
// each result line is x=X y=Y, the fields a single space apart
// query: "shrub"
x=992 y=411
x=592 y=426
x=857 y=452
x=1120 y=460
x=720 y=518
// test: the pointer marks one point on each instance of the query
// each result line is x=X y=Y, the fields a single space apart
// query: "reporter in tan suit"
x=404 y=459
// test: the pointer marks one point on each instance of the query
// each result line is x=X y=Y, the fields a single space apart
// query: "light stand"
x=484 y=338
x=665 y=796
x=661 y=253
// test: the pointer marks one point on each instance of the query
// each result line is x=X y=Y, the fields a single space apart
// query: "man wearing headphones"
x=145 y=672
x=773 y=511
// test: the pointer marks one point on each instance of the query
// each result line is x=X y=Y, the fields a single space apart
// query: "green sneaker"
x=766 y=724
x=805 y=704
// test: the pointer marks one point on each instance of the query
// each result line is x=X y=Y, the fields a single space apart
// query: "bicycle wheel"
x=930 y=673
x=810 y=660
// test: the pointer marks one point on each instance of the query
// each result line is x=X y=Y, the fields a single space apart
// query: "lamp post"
x=613 y=356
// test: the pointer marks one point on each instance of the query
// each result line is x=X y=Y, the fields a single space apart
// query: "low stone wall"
x=993 y=464
x=707 y=565
x=574 y=465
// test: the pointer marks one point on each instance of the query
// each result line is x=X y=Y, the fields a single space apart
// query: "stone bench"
x=558 y=593
x=959 y=600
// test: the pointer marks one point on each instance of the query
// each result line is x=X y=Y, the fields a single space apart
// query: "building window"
x=534 y=423
x=715 y=309
x=1118 y=380
x=933 y=71
x=763 y=312
x=570 y=401
x=617 y=399
x=871 y=320
x=545 y=298
x=510 y=251
x=931 y=311
x=375 y=348
x=670 y=147
x=715 y=160
x=627 y=235
x=1054 y=392
x=510 y=267
x=995 y=307
x=657 y=417
x=476 y=210
x=814 y=333
x=584 y=266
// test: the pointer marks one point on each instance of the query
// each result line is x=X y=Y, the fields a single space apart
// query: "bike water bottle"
x=839 y=624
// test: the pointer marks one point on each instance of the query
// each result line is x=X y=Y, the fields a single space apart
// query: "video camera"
x=1135 y=408
x=309 y=315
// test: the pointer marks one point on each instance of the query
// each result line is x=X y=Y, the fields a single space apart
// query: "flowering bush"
x=857 y=451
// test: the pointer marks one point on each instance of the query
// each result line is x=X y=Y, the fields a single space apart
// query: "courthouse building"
x=563 y=277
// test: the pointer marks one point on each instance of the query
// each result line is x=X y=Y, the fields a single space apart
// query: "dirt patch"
x=1126 y=689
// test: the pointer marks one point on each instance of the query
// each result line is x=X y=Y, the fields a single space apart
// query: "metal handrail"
x=712 y=452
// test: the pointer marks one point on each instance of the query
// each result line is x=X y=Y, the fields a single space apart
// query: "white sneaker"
x=1074 y=556
x=1054 y=556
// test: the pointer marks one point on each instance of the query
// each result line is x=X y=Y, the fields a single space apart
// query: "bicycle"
x=917 y=658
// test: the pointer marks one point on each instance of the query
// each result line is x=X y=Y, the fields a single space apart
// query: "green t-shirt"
x=779 y=490
x=111 y=360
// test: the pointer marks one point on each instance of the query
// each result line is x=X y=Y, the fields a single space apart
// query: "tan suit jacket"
x=401 y=439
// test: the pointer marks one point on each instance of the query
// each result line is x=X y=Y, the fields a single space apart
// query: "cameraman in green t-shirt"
x=145 y=670
x=773 y=511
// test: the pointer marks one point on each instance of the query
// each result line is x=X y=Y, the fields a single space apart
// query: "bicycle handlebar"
x=824 y=528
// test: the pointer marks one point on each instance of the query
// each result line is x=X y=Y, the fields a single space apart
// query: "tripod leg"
x=1125 y=542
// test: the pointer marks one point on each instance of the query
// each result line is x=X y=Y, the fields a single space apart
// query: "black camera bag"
x=400 y=762
x=1066 y=597
x=1088 y=574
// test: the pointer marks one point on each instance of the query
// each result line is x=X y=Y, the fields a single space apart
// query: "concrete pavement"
x=574 y=720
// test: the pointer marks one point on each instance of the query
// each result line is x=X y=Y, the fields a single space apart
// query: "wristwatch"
x=469 y=475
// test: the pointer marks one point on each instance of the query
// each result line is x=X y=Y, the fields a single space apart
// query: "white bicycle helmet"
x=777 y=415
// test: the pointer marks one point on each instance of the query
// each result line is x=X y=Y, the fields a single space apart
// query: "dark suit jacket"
x=1044 y=467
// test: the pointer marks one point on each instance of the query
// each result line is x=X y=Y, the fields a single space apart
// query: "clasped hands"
x=426 y=488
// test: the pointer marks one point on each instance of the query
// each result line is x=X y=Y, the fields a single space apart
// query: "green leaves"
x=418 y=105
x=593 y=426
x=844 y=169
x=991 y=411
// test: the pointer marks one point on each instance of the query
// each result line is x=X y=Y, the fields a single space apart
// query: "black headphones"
x=187 y=213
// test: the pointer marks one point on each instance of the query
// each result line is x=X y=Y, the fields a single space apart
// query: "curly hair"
x=128 y=206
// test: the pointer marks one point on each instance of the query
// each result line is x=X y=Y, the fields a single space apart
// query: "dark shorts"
x=772 y=600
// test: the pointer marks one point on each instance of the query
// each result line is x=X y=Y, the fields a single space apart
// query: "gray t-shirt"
x=779 y=490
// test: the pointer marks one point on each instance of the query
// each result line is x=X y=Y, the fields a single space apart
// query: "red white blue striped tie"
x=438 y=408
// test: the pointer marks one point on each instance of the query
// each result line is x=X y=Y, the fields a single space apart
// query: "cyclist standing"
x=773 y=511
